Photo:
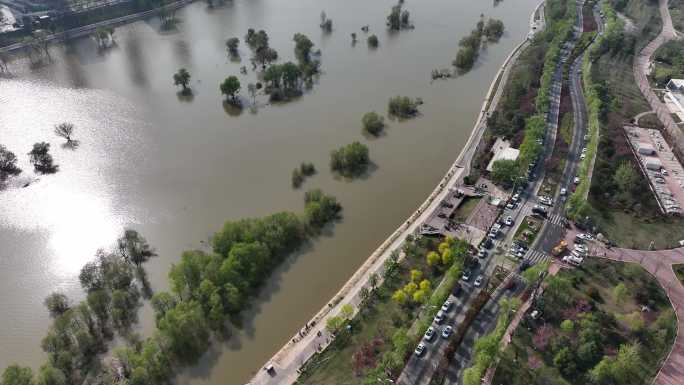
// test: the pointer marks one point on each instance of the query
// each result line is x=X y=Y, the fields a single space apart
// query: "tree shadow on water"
x=185 y=96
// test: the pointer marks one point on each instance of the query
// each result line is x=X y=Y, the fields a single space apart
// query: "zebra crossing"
x=536 y=256
x=556 y=219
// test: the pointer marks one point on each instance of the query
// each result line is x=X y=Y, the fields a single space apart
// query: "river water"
x=176 y=169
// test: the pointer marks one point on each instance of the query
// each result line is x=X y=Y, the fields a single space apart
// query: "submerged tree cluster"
x=208 y=291
x=471 y=44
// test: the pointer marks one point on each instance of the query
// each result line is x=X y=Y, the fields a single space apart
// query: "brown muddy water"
x=177 y=169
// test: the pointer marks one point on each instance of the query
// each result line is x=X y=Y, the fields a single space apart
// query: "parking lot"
x=666 y=181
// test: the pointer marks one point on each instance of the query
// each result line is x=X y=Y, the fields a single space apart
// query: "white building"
x=674 y=97
x=502 y=150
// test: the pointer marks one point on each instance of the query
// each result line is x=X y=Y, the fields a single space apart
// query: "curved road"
x=642 y=64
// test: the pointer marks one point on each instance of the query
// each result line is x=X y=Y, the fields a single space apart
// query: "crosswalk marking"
x=556 y=219
x=536 y=256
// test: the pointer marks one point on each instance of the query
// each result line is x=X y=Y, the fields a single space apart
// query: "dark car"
x=487 y=243
x=524 y=265
x=457 y=290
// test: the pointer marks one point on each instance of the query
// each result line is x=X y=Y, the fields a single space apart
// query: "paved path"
x=641 y=115
x=659 y=263
x=642 y=66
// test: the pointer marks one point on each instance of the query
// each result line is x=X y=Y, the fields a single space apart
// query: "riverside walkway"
x=284 y=366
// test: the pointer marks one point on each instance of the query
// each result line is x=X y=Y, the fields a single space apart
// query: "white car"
x=509 y=221
x=581 y=248
x=439 y=318
x=478 y=281
x=516 y=197
x=563 y=191
x=584 y=237
x=419 y=349
x=576 y=180
x=573 y=260
x=584 y=150
x=447 y=306
x=446 y=332
x=510 y=206
x=429 y=334
x=583 y=156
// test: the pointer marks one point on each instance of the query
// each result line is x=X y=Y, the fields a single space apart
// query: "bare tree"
x=65 y=130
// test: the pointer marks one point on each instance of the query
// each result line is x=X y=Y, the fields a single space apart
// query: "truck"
x=559 y=248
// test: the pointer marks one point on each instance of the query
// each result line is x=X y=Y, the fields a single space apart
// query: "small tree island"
x=373 y=123
x=351 y=160
x=403 y=106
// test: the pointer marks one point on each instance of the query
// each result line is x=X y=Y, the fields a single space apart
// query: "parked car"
x=584 y=237
x=580 y=247
x=516 y=197
x=582 y=156
x=576 y=180
x=466 y=276
x=429 y=334
x=446 y=331
x=487 y=243
x=539 y=210
x=509 y=221
x=573 y=259
x=482 y=253
x=510 y=205
x=439 y=318
x=524 y=265
x=419 y=349
x=563 y=191
x=478 y=280
x=446 y=306
x=456 y=291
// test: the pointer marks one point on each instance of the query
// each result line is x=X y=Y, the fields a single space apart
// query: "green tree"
x=567 y=326
x=403 y=106
x=425 y=285
x=564 y=360
x=186 y=330
x=420 y=296
x=303 y=46
x=291 y=75
x=433 y=259
x=602 y=373
x=373 y=123
x=8 y=163
x=333 y=324
x=133 y=248
x=265 y=55
x=400 y=297
x=17 y=375
x=447 y=257
x=346 y=311
x=230 y=87
x=182 y=78
x=350 y=160
x=494 y=29
x=49 y=375
x=57 y=304
x=416 y=275
x=273 y=75
x=625 y=177
x=505 y=172
x=394 y=18
x=620 y=293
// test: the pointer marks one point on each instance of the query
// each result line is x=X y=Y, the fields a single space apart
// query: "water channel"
x=176 y=169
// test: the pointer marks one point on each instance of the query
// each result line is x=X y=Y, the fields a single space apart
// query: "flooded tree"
x=65 y=130
x=373 y=41
x=403 y=106
x=57 y=304
x=303 y=47
x=8 y=163
x=133 y=248
x=232 y=46
x=182 y=78
x=104 y=37
x=350 y=160
x=326 y=23
x=230 y=87
x=41 y=159
x=373 y=123
x=265 y=56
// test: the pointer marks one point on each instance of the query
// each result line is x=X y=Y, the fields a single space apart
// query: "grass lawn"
x=466 y=208
x=679 y=272
x=600 y=323
x=528 y=229
x=627 y=230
